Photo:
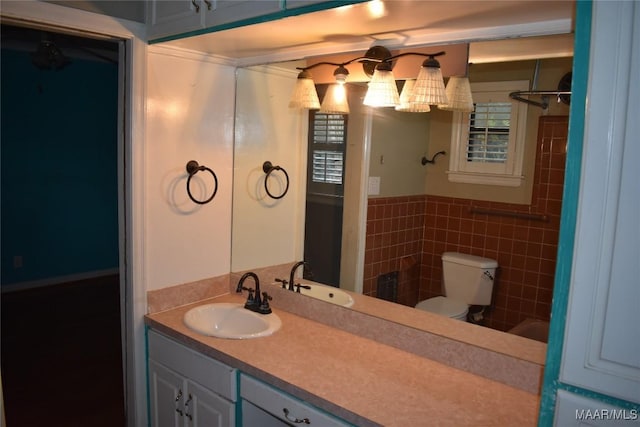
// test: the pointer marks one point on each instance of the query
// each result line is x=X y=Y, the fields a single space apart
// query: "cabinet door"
x=227 y=12
x=166 y=392
x=207 y=409
x=209 y=373
x=170 y=17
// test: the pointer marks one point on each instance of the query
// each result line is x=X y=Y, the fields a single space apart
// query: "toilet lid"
x=444 y=306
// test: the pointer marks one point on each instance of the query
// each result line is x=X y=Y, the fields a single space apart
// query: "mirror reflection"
x=402 y=206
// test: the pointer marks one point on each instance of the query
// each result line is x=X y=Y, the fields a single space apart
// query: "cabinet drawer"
x=207 y=372
x=279 y=403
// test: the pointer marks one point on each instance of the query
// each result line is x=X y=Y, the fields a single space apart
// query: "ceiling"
x=390 y=23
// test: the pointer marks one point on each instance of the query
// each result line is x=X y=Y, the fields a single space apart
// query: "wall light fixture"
x=417 y=95
x=335 y=100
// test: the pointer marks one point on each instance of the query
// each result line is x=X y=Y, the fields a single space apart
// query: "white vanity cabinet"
x=266 y=406
x=166 y=18
x=188 y=389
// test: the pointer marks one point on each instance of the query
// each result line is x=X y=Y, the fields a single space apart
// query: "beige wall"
x=267 y=231
x=550 y=73
x=398 y=142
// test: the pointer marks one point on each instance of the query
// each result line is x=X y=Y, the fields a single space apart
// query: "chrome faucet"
x=257 y=303
x=293 y=272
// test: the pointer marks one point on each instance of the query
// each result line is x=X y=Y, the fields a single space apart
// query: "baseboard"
x=57 y=280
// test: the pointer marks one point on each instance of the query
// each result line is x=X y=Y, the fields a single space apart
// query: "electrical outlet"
x=374 y=185
x=17 y=261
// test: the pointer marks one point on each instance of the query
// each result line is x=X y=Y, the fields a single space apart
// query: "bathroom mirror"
x=404 y=181
x=398 y=143
x=269 y=232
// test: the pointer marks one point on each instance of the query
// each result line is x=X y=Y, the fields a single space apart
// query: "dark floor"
x=61 y=355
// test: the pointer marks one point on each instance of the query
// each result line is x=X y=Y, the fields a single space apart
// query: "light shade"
x=404 y=100
x=304 y=94
x=459 y=95
x=382 y=91
x=429 y=87
x=335 y=100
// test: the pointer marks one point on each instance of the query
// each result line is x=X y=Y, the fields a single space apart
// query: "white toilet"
x=468 y=280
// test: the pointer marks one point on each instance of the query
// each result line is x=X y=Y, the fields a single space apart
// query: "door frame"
x=131 y=138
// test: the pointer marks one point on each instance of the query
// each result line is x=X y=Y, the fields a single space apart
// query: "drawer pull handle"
x=295 y=419
x=178 y=397
x=186 y=407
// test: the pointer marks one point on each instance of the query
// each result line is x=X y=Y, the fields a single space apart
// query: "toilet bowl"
x=445 y=307
x=468 y=280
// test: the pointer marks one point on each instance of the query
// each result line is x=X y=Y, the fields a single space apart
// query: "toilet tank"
x=468 y=278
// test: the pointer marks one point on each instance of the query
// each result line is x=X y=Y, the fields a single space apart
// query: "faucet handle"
x=300 y=285
x=283 y=281
x=251 y=301
x=264 y=307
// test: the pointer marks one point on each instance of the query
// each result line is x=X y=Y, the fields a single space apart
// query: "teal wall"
x=58 y=168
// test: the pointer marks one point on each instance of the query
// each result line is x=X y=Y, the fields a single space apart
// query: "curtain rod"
x=545 y=102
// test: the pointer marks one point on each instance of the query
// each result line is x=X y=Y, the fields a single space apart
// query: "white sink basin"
x=229 y=320
x=326 y=293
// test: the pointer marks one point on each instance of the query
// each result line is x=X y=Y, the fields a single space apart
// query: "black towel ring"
x=268 y=167
x=193 y=168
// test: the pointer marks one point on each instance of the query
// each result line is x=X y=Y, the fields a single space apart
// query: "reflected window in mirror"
x=327 y=146
x=487 y=144
x=488 y=140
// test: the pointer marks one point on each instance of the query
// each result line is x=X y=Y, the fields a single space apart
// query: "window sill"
x=485 y=178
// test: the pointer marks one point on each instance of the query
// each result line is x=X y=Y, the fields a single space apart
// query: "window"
x=327 y=142
x=487 y=145
x=489 y=132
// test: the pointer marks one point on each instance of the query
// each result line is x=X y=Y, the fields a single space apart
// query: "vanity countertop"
x=358 y=379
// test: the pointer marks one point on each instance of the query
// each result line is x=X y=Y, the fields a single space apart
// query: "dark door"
x=325 y=196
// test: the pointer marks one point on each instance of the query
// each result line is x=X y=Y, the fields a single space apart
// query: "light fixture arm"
x=335 y=64
x=386 y=62
x=342 y=64
x=376 y=54
x=427 y=55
